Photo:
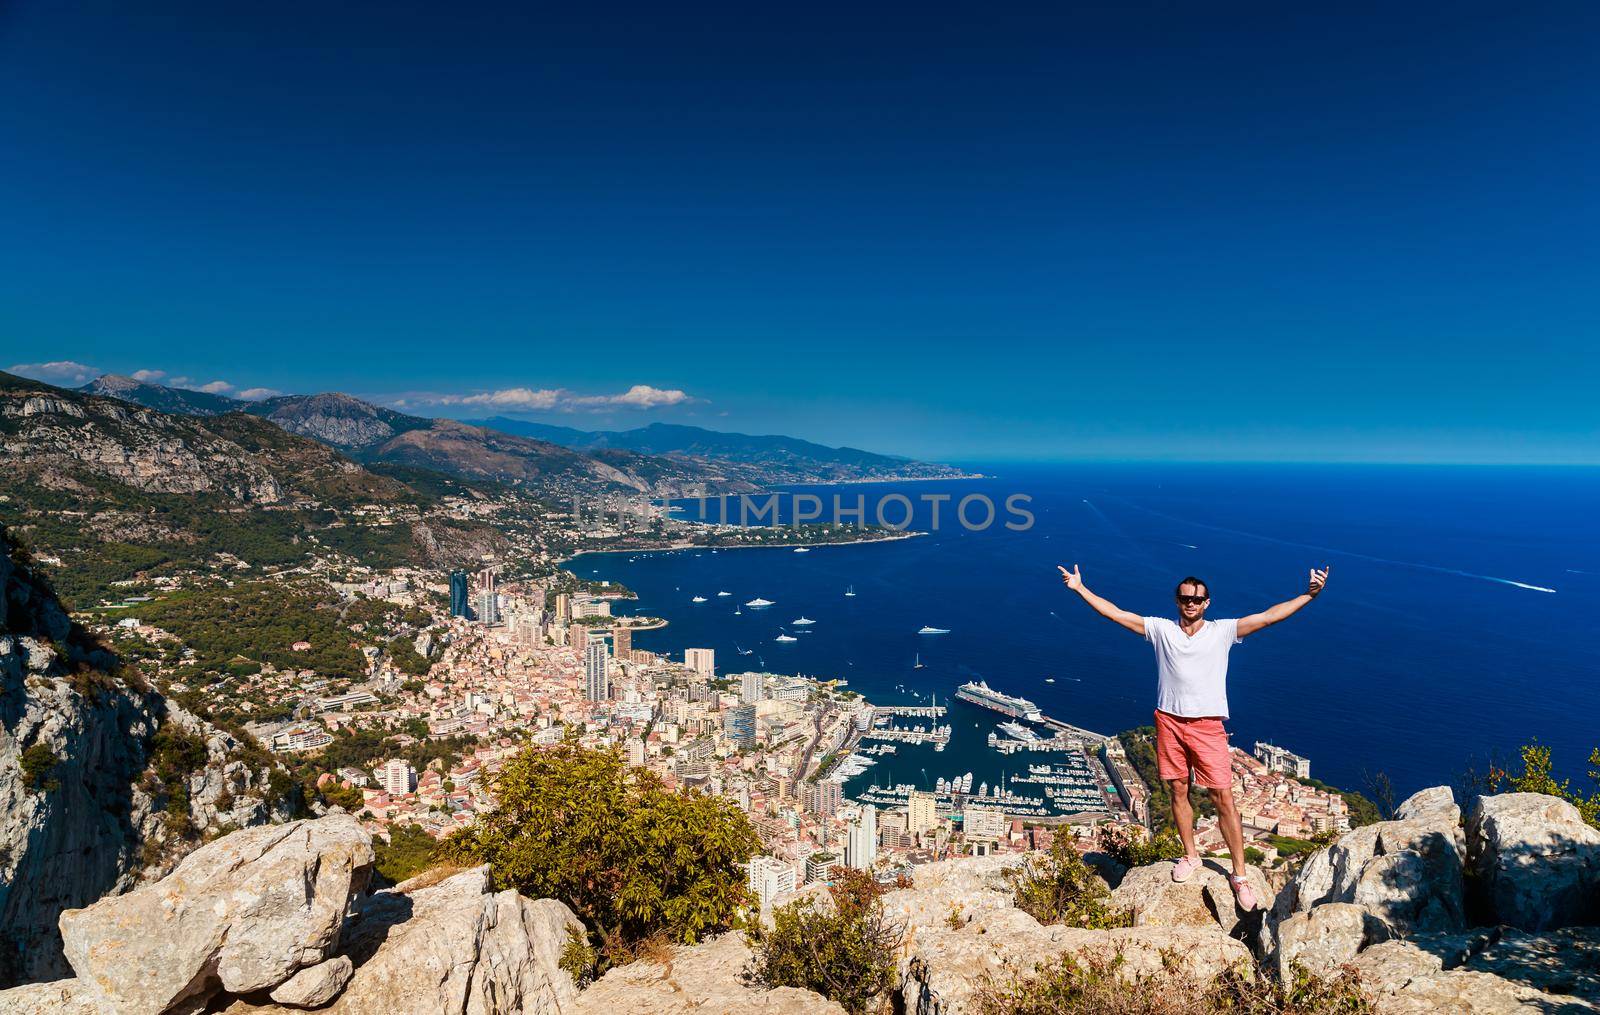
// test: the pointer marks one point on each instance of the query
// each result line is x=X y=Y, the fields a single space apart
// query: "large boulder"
x=1326 y=937
x=1407 y=872
x=703 y=979
x=1537 y=861
x=240 y=914
x=1481 y=972
x=945 y=968
x=1205 y=900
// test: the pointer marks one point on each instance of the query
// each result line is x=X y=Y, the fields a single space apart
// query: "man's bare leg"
x=1228 y=821
x=1183 y=815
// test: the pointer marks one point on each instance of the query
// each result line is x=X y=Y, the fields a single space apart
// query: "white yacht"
x=758 y=603
x=934 y=630
x=802 y=622
x=698 y=599
x=785 y=637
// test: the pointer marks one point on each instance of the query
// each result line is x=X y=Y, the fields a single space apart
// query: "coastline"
x=679 y=547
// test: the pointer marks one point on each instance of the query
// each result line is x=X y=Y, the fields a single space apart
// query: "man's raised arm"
x=1105 y=607
x=1286 y=609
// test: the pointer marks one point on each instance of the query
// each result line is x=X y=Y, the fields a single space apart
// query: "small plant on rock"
x=844 y=951
x=1058 y=887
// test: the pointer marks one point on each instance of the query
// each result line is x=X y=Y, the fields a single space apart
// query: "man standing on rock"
x=1192 y=703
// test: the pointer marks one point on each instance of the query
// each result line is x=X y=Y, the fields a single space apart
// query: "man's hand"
x=1071 y=579
x=1318 y=580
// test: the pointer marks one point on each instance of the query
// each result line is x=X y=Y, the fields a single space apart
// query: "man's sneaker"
x=1184 y=869
x=1243 y=892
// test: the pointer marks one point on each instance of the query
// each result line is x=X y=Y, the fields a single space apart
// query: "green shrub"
x=38 y=764
x=1535 y=777
x=845 y=952
x=409 y=851
x=578 y=959
x=1134 y=847
x=1093 y=986
x=632 y=859
x=1058 y=887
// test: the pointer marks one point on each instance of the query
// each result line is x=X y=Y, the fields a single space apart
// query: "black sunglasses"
x=1192 y=600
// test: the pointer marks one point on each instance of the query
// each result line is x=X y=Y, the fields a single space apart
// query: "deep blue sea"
x=1432 y=648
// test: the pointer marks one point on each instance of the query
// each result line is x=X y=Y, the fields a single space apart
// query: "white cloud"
x=61 y=371
x=639 y=396
x=148 y=376
x=215 y=388
x=257 y=394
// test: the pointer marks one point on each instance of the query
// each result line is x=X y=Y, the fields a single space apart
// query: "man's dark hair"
x=1197 y=582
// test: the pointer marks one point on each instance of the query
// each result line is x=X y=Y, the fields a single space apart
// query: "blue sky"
x=1166 y=231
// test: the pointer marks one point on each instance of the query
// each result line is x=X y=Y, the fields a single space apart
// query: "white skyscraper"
x=770 y=877
x=594 y=671
x=701 y=660
x=752 y=687
x=861 y=840
x=397 y=777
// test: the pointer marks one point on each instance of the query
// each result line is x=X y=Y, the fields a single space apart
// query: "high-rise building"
x=922 y=813
x=769 y=878
x=594 y=670
x=563 y=608
x=740 y=725
x=702 y=660
x=488 y=598
x=984 y=824
x=622 y=643
x=861 y=839
x=458 y=595
x=830 y=794
x=751 y=688
x=397 y=777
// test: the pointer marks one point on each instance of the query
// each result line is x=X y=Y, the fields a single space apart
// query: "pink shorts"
x=1200 y=744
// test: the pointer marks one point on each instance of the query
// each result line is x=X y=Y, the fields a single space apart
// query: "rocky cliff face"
x=76 y=807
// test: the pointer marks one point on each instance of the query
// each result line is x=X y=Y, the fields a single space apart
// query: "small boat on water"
x=801 y=549
x=850 y=591
x=917 y=665
x=934 y=630
x=802 y=621
x=785 y=637
x=1049 y=680
x=721 y=594
x=758 y=603
x=698 y=599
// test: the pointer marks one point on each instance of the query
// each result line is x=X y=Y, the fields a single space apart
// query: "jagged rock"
x=1454 y=973
x=944 y=969
x=314 y=986
x=1537 y=862
x=964 y=887
x=1205 y=900
x=240 y=914
x=705 y=979
x=1561 y=962
x=454 y=949
x=1327 y=937
x=1434 y=802
x=1406 y=872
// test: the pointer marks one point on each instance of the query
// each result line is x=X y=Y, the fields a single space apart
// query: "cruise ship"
x=980 y=693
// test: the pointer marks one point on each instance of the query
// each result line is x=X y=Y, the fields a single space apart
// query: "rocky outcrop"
x=1484 y=971
x=706 y=979
x=242 y=914
x=72 y=745
x=963 y=933
x=1205 y=900
x=1537 y=862
x=1406 y=872
x=76 y=812
x=455 y=948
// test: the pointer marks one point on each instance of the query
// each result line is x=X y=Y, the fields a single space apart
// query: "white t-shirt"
x=1194 y=670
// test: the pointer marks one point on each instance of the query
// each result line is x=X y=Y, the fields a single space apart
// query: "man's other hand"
x=1318 y=580
x=1071 y=579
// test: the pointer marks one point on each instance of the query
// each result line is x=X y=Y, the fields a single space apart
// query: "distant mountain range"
x=660 y=458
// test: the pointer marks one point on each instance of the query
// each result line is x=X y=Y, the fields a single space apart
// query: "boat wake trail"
x=1436 y=569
